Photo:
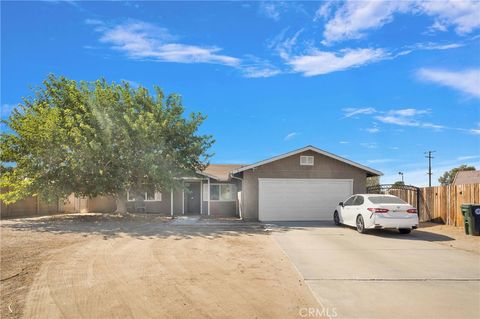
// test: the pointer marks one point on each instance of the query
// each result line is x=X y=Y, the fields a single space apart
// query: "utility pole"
x=429 y=156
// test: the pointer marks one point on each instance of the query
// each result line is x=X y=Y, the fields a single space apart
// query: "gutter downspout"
x=208 y=203
x=243 y=199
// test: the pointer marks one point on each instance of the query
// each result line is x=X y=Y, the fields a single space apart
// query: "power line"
x=429 y=156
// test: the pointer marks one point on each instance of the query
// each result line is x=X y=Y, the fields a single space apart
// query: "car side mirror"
x=341 y=204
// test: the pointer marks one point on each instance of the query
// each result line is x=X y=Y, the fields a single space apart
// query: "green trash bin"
x=471 y=219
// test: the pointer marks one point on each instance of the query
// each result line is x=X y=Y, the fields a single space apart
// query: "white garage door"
x=300 y=199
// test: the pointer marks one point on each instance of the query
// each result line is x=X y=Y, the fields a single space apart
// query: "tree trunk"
x=121 y=204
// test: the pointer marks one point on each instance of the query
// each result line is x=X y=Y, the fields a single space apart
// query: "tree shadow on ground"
x=138 y=226
x=155 y=226
x=418 y=234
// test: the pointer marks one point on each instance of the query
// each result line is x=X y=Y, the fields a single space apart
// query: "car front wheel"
x=360 y=225
x=404 y=231
x=336 y=218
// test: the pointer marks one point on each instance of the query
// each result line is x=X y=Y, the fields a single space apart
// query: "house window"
x=221 y=192
x=148 y=196
x=214 y=192
x=306 y=160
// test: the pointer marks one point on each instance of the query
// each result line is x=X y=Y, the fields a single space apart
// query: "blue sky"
x=376 y=82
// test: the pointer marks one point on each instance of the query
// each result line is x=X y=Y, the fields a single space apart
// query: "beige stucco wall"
x=102 y=204
x=289 y=167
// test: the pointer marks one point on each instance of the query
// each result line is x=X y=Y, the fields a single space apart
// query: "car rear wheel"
x=404 y=231
x=336 y=218
x=360 y=225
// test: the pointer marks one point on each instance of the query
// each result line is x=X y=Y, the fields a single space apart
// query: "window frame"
x=157 y=197
x=220 y=192
x=304 y=160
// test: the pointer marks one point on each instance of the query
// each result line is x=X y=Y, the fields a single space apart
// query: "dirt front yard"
x=97 y=266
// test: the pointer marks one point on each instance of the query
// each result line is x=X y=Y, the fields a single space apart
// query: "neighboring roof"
x=466 y=177
x=372 y=171
x=220 y=172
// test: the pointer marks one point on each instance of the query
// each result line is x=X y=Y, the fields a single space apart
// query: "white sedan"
x=376 y=211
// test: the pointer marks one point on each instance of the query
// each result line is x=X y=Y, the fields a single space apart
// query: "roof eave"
x=372 y=171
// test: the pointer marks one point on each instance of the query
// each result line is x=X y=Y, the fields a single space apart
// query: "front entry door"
x=192 y=198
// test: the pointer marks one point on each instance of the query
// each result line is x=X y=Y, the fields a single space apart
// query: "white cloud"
x=274 y=9
x=408 y=49
x=373 y=130
x=408 y=112
x=466 y=81
x=290 y=136
x=258 y=68
x=474 y=131
x=397 y=120
x=463 y=15
x=323 y=62
x=141 y=40
x=344 y=142
x=145 y=41
x=324 y=11
x=369 y=145
x=94 y=22
x=407 y=121
x=349 y=112
x=354 y=18
x=254 y=72
x=270 y=10
x=467 y=157
x=401 y=117
x=437 y=46
x=284 y=45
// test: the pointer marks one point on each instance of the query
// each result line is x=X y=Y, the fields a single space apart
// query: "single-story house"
x=466 y=177
x=304 y=184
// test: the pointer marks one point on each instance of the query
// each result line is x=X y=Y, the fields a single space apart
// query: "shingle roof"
x=467 y=177
x=221 y=172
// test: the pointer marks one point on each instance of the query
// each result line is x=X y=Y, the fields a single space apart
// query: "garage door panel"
x=300 y=199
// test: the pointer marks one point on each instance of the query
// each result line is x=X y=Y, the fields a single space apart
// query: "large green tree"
x=98 y=138
x=448 y=177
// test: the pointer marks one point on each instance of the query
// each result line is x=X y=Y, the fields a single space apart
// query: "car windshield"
x=386 y=200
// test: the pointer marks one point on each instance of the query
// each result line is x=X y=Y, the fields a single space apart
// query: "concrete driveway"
x=383 y=274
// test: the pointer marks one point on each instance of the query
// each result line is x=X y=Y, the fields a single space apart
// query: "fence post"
x=418 y=202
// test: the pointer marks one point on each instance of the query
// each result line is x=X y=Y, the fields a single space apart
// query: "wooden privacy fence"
x=33 y=206
x=442 y=203
x=30 y=206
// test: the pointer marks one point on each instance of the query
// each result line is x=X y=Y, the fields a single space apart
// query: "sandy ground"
x=457 y=234
x=101 y=267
